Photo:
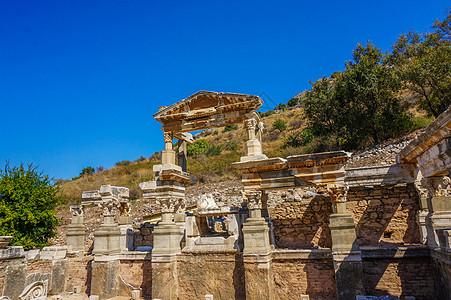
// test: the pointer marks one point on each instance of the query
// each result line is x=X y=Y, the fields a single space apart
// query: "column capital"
x=253 y=199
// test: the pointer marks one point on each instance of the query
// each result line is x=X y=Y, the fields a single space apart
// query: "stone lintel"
x=12 y=252
x=378 y=175
x=318 y=159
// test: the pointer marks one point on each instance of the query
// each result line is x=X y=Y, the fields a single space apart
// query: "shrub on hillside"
x=123 y=163
x=230 y=128
x=198 y=147
x=279 y=124
x=27 y=206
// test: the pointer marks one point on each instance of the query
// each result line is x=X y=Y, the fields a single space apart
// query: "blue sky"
x=80 y=80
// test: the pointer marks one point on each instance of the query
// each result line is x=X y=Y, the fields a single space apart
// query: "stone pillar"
x=166 y=246
x=345 y=251
x=107 y=236
x=168 y=155
x=76 y=230
x=257 y=250
x=253 y=147
x=423 y=187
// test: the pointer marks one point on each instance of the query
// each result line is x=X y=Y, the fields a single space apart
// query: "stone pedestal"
x=346 y=256
x=166 y=237
x=76 y=234
x=107 y=237
x=256 y=234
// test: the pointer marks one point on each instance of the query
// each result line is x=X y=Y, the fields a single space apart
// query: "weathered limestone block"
x=35 y=291
x=342 y=229
x=53 y=252
x=106 y=282
x=259 y=279
x=164 y=276
x=15 y=280
x=107 y=237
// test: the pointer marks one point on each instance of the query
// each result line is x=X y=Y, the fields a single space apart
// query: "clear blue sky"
x=80 y=80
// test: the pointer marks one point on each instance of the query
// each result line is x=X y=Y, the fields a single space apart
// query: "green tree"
x=279 y=124
x=423 y=62
x=359 y=106
x=27 y=206
x=87 y=171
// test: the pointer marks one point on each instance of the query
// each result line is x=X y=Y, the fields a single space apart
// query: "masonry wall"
x=219 y=274
x=385 y=215
x=300 y=221
x=313 y=277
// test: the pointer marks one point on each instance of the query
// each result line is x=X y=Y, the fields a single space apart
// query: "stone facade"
x=308 y=227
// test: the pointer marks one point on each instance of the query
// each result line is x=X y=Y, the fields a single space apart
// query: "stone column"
x=345 y=251
x=168 y=155
x=253 y=147
x=107 y=236
x=166 y=242
x=76 y=230
x=257 y=250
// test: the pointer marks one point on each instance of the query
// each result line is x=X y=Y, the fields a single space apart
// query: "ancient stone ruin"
x=305 y=227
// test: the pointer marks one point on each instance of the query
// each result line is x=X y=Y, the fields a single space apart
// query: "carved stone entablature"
x=207 y=110
x=338 y=192
x=35 y=291
x=253 y=199
x=76 y=210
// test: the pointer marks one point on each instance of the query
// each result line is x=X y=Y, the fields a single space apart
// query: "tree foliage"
x=27 y=206
x=423 y=62
x=358 y=106
x=87 y=171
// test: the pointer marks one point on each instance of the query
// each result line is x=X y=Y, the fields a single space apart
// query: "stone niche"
x=214 y=230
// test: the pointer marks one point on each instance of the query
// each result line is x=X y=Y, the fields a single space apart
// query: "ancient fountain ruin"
x=308 y=228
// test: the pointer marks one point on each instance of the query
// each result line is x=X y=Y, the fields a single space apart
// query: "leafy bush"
x=27 y=206
x=123 y=163
x=231 y=145
x=198 y=147
x=298 y=139
x=280 y=125
x=100 y=169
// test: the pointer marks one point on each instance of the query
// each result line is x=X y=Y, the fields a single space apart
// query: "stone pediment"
x=207 y=110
